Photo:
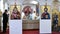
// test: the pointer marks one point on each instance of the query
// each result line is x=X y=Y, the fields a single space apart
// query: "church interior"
x=30 y=25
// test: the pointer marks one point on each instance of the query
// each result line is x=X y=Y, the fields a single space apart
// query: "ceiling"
x=42 y=2
x=19 y=1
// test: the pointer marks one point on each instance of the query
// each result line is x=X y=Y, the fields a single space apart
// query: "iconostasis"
x=30 y=15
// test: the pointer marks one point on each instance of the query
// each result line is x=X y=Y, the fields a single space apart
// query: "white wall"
x=1 y=8
x=43 y=2
x=1 y=5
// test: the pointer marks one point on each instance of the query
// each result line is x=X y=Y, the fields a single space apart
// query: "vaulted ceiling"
x=42 y=2
x=18 y=1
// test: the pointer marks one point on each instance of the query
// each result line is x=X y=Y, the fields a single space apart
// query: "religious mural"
x=29 y=13
x=45 y=12
x=15 y=12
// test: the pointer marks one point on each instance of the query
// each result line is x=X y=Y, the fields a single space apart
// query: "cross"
x=15 y=2
x=46 y=3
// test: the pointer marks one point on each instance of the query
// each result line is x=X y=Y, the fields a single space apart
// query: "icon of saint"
x=45 y=14
x=15 y=14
